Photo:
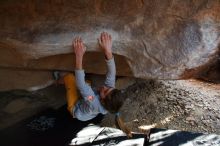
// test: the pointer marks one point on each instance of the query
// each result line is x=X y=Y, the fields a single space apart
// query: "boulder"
x=24 y=79
x=151 y=39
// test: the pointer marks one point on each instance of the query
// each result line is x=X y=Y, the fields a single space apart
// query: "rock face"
x=188 y=105
x=152 y=39
x=23 y=79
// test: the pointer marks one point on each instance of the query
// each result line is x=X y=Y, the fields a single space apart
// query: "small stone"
x=192 y=123
x=188 y=107
x=136 y=91
x=190 y=118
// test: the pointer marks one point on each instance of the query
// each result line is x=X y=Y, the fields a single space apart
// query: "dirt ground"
x=189 y=105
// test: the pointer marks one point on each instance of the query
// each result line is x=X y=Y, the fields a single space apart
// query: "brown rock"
x=16 y=106
x=153 y=39
x=124 y=82
x=211 y=73
x=190 y=119
x=24 y=79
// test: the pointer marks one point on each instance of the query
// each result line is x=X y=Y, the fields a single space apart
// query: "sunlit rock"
x=152 y=39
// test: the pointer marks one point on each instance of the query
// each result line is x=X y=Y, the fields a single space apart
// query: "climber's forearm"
x=79 y=60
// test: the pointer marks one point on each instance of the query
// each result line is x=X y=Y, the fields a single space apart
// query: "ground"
x=189 y=105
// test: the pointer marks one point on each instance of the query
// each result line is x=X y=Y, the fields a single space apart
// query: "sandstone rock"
x=24 y=79
x=16 y=105
x=152 y=39
x=212 y=73
x=125 y=82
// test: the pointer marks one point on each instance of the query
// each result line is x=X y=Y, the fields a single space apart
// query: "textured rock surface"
x=188 y=105
x=153 y=39
x=24 y=79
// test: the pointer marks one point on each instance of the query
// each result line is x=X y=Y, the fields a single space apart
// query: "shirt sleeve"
x=111 y=73
x=85 y=89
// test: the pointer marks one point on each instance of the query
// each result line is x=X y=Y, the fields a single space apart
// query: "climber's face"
x=104 y=91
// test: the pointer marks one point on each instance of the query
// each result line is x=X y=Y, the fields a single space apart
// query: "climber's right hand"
x=78 y=47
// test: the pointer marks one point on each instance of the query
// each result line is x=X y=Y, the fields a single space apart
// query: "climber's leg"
x=71 y=91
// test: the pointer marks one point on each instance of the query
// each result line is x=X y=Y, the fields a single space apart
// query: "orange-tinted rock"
x=153 y=39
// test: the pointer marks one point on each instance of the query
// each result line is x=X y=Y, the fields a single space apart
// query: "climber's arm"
x=79 y=50
x=85 y=89
x=105 y=41
x=111 y=73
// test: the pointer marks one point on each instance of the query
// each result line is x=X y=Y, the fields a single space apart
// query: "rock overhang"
x=153 y=39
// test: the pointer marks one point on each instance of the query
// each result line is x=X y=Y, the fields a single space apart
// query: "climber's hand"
x=105 y=42
x=78 y=47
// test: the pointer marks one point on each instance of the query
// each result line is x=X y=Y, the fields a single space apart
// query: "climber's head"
x=112 y=100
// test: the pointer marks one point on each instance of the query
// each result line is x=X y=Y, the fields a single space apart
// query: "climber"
x=92 y=102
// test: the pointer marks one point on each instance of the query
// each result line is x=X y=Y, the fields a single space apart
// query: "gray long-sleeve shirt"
x=89 y=106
